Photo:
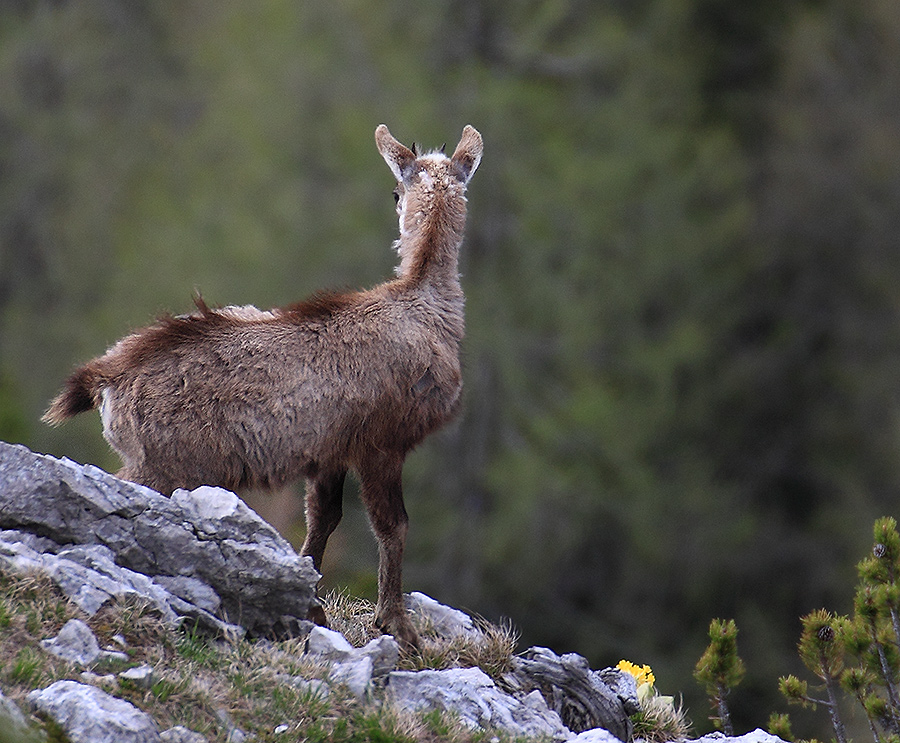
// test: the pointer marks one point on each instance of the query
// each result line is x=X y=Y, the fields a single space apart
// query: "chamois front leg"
x=382 y=493
x=324 y=508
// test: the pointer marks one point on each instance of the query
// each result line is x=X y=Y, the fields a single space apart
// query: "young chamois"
x=244 y=398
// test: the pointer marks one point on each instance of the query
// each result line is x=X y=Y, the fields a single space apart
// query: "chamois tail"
x=81 y=393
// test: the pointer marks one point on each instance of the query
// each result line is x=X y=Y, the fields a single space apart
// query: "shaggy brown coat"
x=244 y=398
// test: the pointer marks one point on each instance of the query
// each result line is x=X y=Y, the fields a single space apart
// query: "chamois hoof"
x=316 y=615
x=402 y=630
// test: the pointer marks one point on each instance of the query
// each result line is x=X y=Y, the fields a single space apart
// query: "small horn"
x=444 y=148
x=415 y=149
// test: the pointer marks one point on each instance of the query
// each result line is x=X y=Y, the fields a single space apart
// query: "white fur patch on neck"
x=246 y=312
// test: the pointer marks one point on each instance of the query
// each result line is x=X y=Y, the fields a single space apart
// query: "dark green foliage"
x=821 y=648
x=780 y=725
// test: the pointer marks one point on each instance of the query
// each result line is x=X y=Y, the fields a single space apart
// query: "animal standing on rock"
x=244 y=398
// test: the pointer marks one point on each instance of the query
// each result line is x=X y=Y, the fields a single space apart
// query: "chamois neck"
x=431 y=233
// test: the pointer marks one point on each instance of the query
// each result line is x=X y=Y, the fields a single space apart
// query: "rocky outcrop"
x=475 y=698
x=583 y=699
x=201 y=554
x=354 y=668
x=204 y=556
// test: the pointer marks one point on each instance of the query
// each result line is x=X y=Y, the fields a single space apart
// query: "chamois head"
x=403 y=161
x=430 y=195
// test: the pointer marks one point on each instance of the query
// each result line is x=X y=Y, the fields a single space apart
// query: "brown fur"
x=243 y=398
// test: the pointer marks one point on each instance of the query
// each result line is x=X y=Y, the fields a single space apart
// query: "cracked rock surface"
x=584 y=699
x=89 y=715
x=201 y=554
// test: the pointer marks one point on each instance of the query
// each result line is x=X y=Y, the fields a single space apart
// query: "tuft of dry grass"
x=661 y=720
x=353 y=617
x=491 y=647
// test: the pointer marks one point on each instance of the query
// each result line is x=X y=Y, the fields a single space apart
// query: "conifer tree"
x=874 y=635
x=822 y=652
x=871 y=637
x=720 y=669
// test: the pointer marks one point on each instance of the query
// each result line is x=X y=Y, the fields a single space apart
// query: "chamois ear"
x=467 y=155
x=398 y=157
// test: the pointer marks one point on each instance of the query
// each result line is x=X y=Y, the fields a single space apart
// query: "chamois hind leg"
x=382 y=493
x=324 y=508
x=141 y=477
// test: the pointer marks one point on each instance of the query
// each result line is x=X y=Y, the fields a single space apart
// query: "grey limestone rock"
x=384 y=653
x=90 y=577
x=579 y=695
x=314 y=687
x=755 y=736
x=471 y=694
x=444 y=620
x=223 y=561
x=352 y=667
x=98 y=679
x=355 y=674
x=596 y=735
x=181 y=734
x=140 y=676
x=204 y=556
x=235 y=734
x=90 y=715
x=76 y=643
x=328 y=645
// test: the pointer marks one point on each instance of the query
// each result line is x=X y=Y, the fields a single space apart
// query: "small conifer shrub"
x=720 y=670
x=859 y=656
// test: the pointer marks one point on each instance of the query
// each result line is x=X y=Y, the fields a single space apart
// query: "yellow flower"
x=642 y=674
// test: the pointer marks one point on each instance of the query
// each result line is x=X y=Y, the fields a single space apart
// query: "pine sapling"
x=874 y=635
x=720 y=670
x=822 y=652
x=872 y=638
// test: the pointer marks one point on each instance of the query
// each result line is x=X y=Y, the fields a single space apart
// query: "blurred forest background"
x=682 y=272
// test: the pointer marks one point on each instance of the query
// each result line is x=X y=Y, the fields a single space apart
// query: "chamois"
x=244 y=398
